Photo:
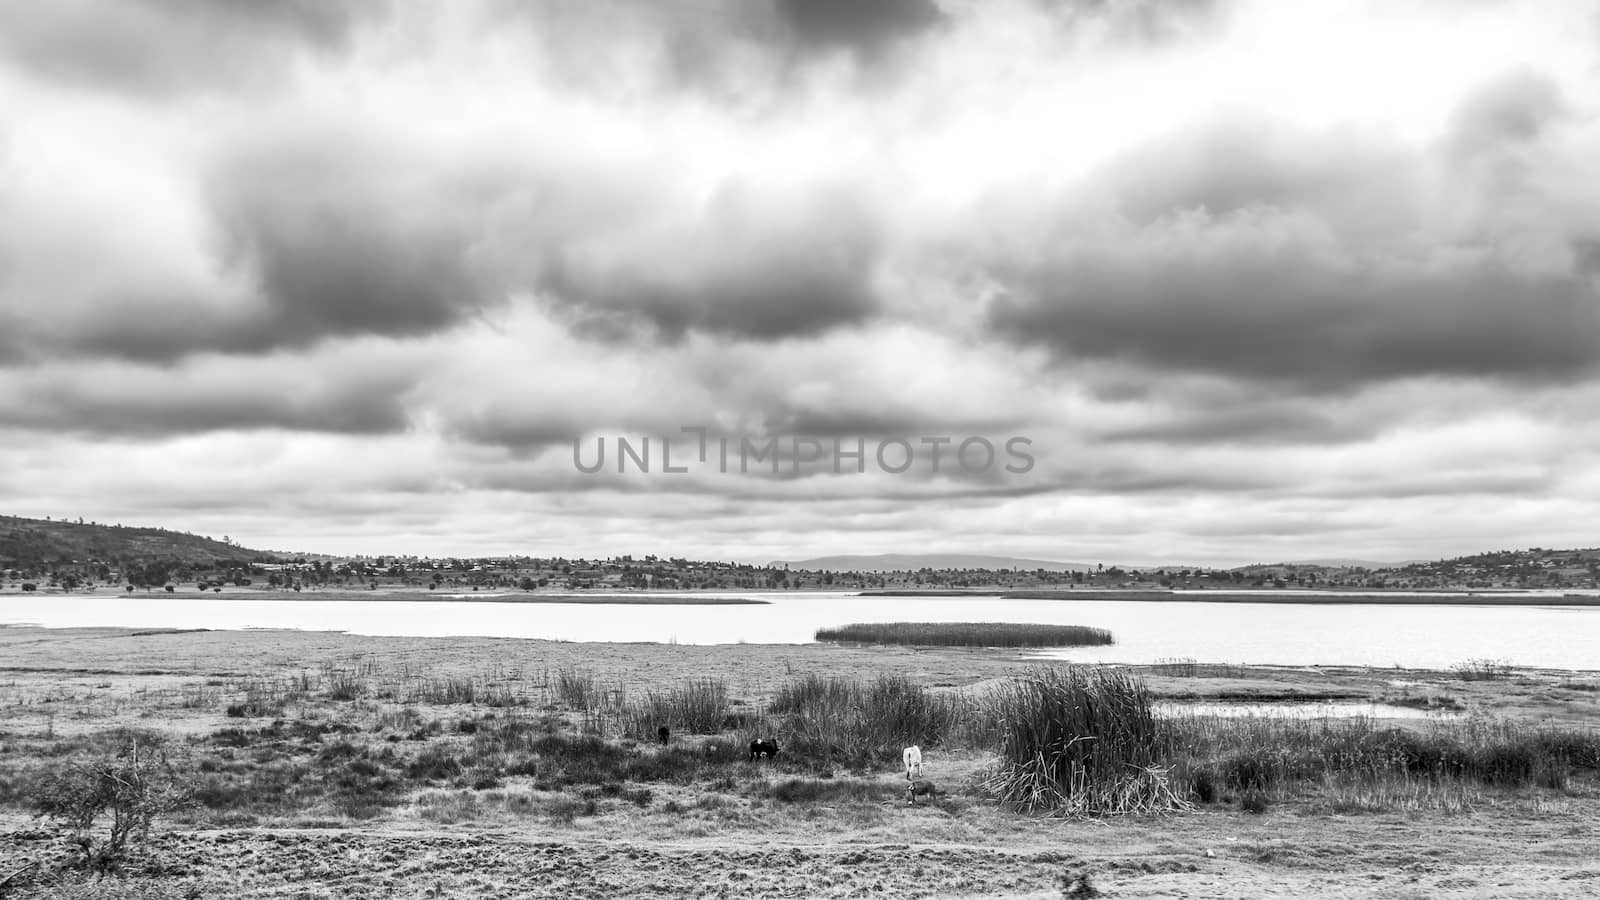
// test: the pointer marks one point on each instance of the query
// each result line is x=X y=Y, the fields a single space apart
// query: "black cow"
x=664 y=733
x=762 y=747
x=920 y=788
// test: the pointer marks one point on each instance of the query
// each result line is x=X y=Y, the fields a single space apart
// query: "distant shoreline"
x=1509 y=597
x=1369 y=598
x=359 y=596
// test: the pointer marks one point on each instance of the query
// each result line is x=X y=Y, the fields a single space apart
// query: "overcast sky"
x=1259 y=280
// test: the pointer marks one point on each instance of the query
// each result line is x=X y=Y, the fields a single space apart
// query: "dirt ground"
x=478 y=843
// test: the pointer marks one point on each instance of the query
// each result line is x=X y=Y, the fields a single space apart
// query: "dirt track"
x=1373 y=857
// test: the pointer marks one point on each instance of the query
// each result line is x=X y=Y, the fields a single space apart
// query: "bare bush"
x=133 y=785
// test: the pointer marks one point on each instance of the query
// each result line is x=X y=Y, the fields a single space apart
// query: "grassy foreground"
x=326 y=765
x=967 y=634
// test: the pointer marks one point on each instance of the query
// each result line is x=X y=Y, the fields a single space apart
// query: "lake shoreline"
x=364 y=596
x=1366 y=598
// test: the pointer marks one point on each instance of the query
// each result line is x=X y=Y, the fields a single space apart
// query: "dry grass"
x=1442 y=762
x=375 y=748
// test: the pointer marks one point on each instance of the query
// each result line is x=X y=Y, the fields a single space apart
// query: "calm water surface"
x=1146 y=631
x=1328 y=709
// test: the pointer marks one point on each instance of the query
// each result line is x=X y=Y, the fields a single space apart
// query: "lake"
x=1146 y=631
x=1325 y=709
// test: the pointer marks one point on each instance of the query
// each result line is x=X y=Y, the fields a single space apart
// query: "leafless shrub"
x=134 y=785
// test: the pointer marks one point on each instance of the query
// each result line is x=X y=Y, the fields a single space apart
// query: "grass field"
x=326 y=765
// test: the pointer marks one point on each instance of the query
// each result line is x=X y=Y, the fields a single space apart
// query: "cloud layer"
x=1250 y=281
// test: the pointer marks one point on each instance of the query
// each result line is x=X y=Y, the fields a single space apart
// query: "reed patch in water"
x=967 y=634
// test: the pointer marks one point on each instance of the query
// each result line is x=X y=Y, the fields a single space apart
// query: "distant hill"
x=1343 y=563
x=1338 y=563
x=911 y=562
x=33 y=543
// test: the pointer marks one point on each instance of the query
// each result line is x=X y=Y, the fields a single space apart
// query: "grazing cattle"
x=913 y=760
x=763 y=747
x=915 y=789
x=664 y=733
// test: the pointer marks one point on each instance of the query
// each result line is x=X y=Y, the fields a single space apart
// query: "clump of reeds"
x=695 y=706
x=577 y=689
x=814 y=692
x=445 y=691
x=1185 y=667
x=1175 y=667
x=968 y=634
x=500 y=695
x=1482 y=670
x=1080 y=741
x=862 y=723
x=344 y=684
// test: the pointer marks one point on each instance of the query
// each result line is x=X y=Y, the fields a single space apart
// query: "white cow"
x=913 y=760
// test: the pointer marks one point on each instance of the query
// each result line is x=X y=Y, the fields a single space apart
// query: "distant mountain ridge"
x=31 y=543
x=1339 y=563
x=911 y=562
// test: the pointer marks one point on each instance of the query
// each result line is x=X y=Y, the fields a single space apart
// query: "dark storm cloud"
x=745 y=268
x=159 y=403
x=1284 y=314
x=784 y=292
x=1252 y=424
x=173 y=45
x=746 y=54
x=347 y=242
x=1322 y=260
x=347 y=269
x=155 y=329
x=521 y=431
x=344 y=235
x=864 y=26
x=312 y=233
